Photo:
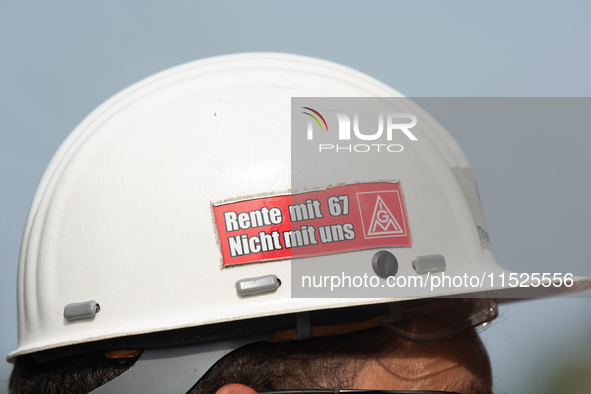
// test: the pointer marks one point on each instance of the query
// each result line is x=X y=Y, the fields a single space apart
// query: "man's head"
x=175 y=219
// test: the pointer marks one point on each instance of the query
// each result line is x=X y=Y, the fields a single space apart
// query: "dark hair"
x=327 y=362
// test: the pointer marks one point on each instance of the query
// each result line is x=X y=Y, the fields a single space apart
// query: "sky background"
x=60 y=59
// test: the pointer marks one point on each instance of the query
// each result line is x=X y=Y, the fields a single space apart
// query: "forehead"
x=458 y=364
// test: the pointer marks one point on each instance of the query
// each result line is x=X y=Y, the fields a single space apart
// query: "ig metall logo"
x=389 y=124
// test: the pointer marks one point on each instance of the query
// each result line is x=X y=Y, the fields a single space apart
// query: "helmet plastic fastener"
x=384 y=264
x=261 y=284
x=429 y=263
x=81 y=310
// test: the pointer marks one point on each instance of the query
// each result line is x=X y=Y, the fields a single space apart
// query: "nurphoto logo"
x=391 y=125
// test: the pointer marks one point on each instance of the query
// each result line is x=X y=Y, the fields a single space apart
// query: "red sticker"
x=335 y=220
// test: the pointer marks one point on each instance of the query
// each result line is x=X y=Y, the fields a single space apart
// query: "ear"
x=235 y=388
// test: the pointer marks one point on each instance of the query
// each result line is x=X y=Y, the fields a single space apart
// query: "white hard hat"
x=125 y=215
